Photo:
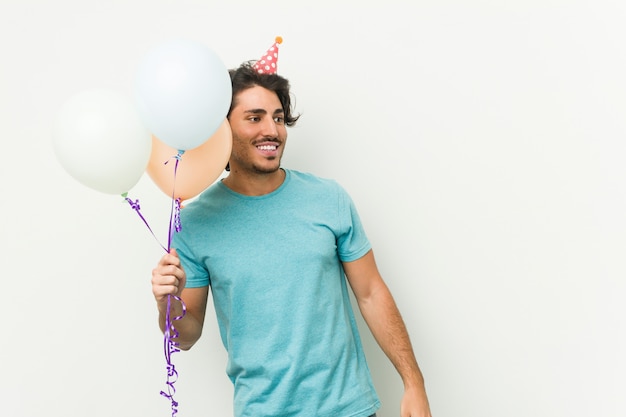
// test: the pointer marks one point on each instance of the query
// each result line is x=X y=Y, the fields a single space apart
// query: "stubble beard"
x=265 y=170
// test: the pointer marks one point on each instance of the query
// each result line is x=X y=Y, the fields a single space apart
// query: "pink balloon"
x=197 y=169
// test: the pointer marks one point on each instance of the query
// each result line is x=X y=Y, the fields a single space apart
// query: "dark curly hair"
x=246 y=77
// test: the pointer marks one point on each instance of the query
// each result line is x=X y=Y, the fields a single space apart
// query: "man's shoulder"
x=311 y=179
x=204 y=201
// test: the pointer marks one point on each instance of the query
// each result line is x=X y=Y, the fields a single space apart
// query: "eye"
x=279 y=119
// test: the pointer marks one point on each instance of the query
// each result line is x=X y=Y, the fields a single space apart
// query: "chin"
x=268 y=166
x=267 y=170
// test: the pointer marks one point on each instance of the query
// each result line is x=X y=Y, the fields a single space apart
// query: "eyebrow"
x=263 y=111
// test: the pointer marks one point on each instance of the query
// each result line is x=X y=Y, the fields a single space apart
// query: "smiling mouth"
x=267 y=147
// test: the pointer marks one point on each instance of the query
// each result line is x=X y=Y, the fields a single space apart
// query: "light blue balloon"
x=183 y=93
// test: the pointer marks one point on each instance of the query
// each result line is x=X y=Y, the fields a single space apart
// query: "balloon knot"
x=133 y=204
x=177 y=157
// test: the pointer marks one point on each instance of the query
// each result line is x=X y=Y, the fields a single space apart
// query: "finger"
x=160 y=278
x=162 y=291
x=173 y=257
x=165 y=284
x=167 y=275
x=169 y=261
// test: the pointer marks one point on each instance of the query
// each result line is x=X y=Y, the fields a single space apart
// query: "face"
x=259 y=132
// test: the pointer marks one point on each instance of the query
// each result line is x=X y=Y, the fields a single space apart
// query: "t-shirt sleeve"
x=197 y=274
x=352 y=241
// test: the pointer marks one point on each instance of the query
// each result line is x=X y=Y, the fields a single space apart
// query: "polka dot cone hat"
x=268 y=64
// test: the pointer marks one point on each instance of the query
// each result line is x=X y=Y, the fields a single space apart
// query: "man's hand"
x=168 y=278
x=415 y=403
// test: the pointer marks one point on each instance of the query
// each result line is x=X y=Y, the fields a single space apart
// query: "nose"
x=269 y=128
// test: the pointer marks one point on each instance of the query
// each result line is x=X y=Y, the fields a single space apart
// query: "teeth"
x=267 y=147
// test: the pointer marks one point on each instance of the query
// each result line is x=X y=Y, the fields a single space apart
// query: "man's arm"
x=385 y=322
x=169 y=278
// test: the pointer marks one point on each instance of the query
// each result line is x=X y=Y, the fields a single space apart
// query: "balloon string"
x=170 y=333
x=175 y=210
x=170 y=346
x=135 y=206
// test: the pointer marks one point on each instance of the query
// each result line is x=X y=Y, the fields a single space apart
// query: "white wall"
x=483 y=142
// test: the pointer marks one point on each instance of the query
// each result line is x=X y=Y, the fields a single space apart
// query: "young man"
x=276 y=246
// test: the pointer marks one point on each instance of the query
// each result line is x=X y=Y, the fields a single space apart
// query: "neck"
x=254 y=184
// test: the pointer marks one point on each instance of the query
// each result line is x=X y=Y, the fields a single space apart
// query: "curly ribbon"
x=170 y=334
x=170 y=346
x=175 y=211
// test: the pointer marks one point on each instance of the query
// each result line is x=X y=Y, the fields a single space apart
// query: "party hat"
x=268 y=64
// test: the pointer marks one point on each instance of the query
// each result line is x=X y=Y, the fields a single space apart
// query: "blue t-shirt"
x=280 y=295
